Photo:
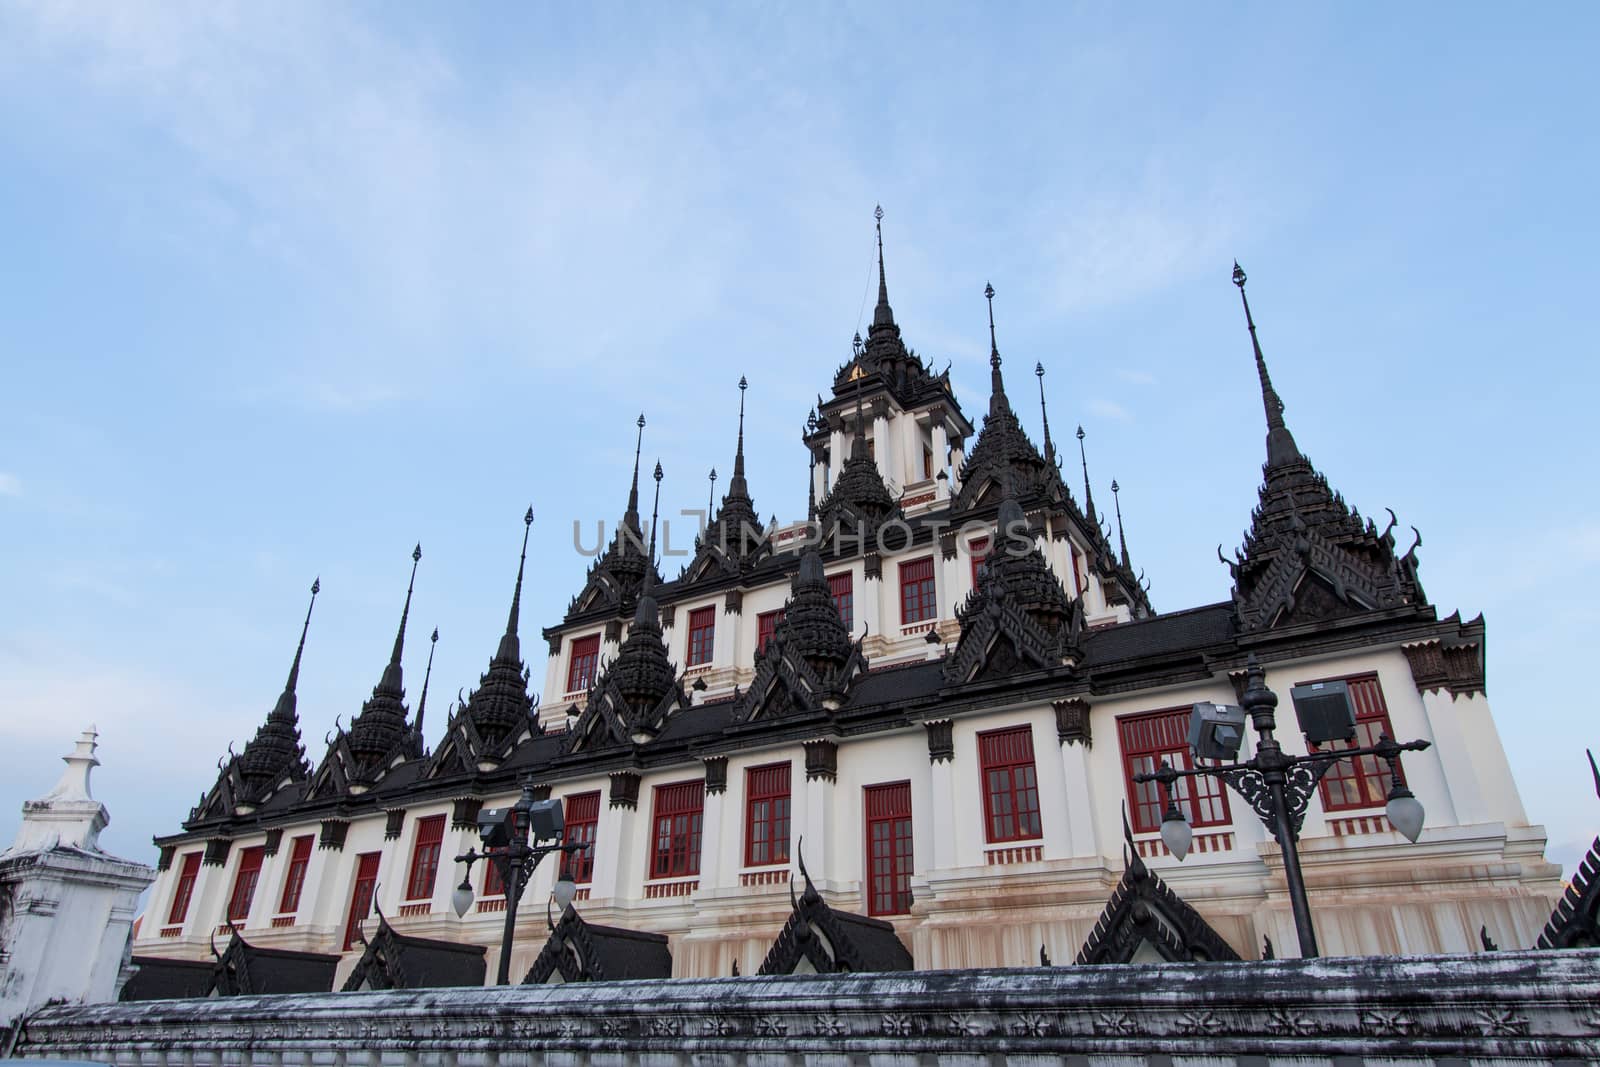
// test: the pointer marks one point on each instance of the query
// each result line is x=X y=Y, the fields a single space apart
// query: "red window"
x=493 y=884
x=585 y=657
x=678 y=809
x=766 y=808
x=244 y=883
x=1148 y=740
x=361 y=895
x=583 y=819
x=979 y=549
x=702 y=628
x=299 y=860
x=888 y=811
x=1077 y=577
x=917 y=602
x=927 y=462
x=186 y=879
x=1363 y=781
x=425 y=857
x=843 y=598
x=766 y=626
x=1010 y=784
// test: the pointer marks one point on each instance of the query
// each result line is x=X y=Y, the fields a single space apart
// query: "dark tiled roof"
x=1182 y=631
x=163 y=979
x=244 y=969
x=394 y=961
x=583 y=952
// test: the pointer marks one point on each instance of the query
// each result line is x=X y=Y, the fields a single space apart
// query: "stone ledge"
x=1493 y=1007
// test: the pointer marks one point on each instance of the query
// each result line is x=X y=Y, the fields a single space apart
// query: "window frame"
x=881 y=806
x=766 y=627
x=1368 y=774
x=1020 y=791
x=762 y=789
x=978 y=551
x=688 y=803
x=581 y=826
x=847 y=614
x=583 y=663
x=245 y=881
x=353 y=921
x=426 y=849
x=294 y=879
x=183 y=890
x=1146 y=798
x=918 y=591
x=701 y=636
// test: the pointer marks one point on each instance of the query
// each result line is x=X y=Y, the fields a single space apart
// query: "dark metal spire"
x=422 y=701
x=285 y=708
x=711 y=495
x=1281 y=448
x=391 y=673
x=1049 y=447
x=997 y=387
x=1088 y=491
x=1116 y=500
x=510 y=648
x=632 y=516
x=811 y=488
x=882 y=315
x=655 y=510
x=737 y=486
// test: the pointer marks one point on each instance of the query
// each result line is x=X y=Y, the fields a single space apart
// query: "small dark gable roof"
x=581 y=952
x=395 y=961
x=1143 y=911
x=817 y=938
x=163 y=979
x=244 y=969
x=1575 y=923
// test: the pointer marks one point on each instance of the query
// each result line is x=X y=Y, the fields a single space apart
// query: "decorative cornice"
x=1453 y=664
x=822 y=760
x=333 y=834
x=941 y=741
x=217 y=852
x=464 y=813
x=273 y=841
x=625 y=790
x=1073 y=722
x=716 y=774
x=393 y=823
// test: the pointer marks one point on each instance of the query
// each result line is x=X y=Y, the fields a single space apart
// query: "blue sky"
x=290 y=288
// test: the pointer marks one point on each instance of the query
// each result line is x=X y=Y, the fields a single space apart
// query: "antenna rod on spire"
x=422 y=702
x=1088 y=490
x=1049 y=447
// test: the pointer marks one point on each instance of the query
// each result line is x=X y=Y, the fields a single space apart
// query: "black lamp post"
x=515 y=839
x=1276 y=785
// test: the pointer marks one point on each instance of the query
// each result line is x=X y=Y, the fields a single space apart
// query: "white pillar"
x=941 y=449
x=711 y=840
x=1081 y=839
x=943 y=806
x=820 y=839
x=613 y=843
x=884 y=452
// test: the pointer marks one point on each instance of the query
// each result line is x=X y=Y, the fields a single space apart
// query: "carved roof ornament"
x=1575 y=923
x=1019 y=617
x=1308 y=557
x=273 y=758
x=614 y=580
x=733 y=540
x=391 y=960
x=500 y=713
x=381 y=735
x=819 y=940
x=1146 y=922
x=809 y=663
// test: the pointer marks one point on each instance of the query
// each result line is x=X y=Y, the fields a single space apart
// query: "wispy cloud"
x=10 y=484
x=1110 y=409
x=1136 y=377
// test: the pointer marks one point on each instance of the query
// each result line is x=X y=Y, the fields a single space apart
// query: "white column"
x=941 y=449
x=711 y=840
x=1464 y=795
x=836 y=456
x=943 y=814
x=958 y=458
x=613 y=842
x=820 y=839
x=885 y=451
x=1081 y=839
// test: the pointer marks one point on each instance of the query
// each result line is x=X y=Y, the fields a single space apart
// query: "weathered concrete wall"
x=1500 y=1008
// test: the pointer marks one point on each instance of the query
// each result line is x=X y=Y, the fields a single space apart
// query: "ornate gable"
x=394 y=961
x=1575 y=923
x=1146 y=922
x=810 y=662
x=636 y=691
x=580 y=952
x=819 y=940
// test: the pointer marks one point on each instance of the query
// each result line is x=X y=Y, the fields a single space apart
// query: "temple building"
x=944 y=683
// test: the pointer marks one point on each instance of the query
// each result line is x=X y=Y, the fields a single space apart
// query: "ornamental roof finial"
x=1116 y=500
x=510 y=649
x=285 y=708
x=632 y=516
x=1281 y=448
x=1049 y=446
x=737 y=485
x=391 y=673
x=882 y=315
x=422 y=701
x=655 y=511
x=1088 y=490
x=997 y=388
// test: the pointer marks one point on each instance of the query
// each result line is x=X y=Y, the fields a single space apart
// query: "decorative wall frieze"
x=540 y=791
x=625 y=790
x=947 y=544
x=1456 y=667
x=613 y=632
x=217 y=852
x=274 y=839
x=822 y=760
x=164 y=862
x=555 y=644
x=394 y=821
x=716 y=774
x=872 y=566
x=733 y=602
x=941 y=741
x=1072 y=722
x=464 y=813
x=333 y=834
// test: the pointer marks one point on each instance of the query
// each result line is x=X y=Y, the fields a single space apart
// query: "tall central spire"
x=738 y=485
x=391 y=673
x=510 y=649
x=632 y=516
x=997 y=387
x=1049 y=446
x=286 y=702
x=1281 y=448
x=1088 y=491
x=882 y=315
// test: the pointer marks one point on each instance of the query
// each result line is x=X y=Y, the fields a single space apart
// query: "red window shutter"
x=493 y=884
x=918 y=601
x=187 y=875
x=1361 y=781
x=889 y=851
x=675 y=851
x=425 y=857
x=361 y=895
x=244 y=883
x=1147 y=740
x=978 y=548
x=702 y=631
x=295 y=880
x=582 y=812
x=843 y=598
x=766 y=835
x=581 y=663
x=1010 y=784
x=766 y=626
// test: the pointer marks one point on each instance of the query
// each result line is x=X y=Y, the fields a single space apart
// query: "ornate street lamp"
x=515 y=839
x=1278 y=786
